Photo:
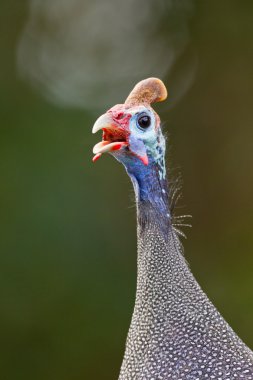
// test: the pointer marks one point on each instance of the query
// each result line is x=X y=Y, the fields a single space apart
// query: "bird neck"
x=163 y=277
x=151 y=193
x=160 y=258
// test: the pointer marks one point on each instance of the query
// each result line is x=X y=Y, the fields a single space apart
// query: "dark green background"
x=68 y=246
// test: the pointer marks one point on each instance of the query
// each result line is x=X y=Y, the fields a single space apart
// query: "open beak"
x=114 y=136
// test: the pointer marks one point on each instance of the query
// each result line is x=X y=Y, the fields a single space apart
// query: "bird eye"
x=144 y=121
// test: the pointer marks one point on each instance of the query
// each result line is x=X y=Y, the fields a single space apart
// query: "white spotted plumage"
x=176 y=333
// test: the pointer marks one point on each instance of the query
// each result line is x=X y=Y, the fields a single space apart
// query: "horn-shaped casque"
x=146 y=92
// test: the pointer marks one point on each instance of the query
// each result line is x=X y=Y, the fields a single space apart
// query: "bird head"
x=131 y=131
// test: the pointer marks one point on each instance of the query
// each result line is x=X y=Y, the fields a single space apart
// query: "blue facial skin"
x=149 y=181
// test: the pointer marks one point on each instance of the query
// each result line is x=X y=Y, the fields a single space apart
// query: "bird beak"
x=114 y=136
x=104 y=121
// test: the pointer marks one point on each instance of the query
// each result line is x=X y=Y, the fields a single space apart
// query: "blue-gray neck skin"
x=175 y=333
x=151 y=192
x=150 y=184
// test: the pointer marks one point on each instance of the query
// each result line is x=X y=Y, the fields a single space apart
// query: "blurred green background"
x=68 y=244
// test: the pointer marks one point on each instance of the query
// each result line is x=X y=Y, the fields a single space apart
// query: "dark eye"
x=144 y=121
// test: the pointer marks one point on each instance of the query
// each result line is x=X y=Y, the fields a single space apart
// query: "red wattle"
x=119 y=145
x=96 y=157
x=144 y=159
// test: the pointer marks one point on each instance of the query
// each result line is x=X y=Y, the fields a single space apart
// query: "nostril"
x=121 y=116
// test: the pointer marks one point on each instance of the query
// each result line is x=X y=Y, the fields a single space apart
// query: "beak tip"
x=102 y=122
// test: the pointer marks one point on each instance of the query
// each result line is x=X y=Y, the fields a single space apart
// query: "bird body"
x=175 y=332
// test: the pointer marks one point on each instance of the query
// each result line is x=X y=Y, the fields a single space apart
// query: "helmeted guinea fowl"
x=175 y=332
